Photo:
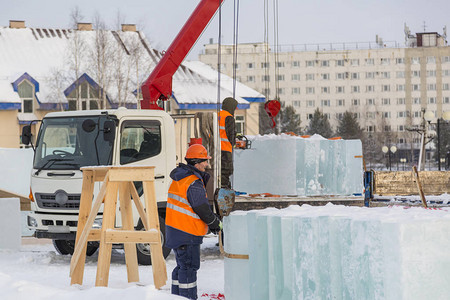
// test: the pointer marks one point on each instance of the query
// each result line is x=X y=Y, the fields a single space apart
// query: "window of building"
x=325 y=76
x=416 y=114
x=431 y=73
x=339 y=63
x=237 y=66
x=445 y=73
x=325 y=102
x=26 y=94
x=355 y=88
x=400 y=128
x=355 y=102
x=325 y=63
x=370 y=115
x=240 y=124
x=309 y=116
x=339 y=116
x=310 y=103
x=280 y=64
x=295 y=91
x=401 y=101
x=385 y=88
x=250 y=78
x=266 y=92
x=309 y=76
x=370 y=101
x=387 y=128
x=386 y=115
x=264 y=65
x=325 y=90
x=310 y=63
x=295 y=64
x=370 y=88
x=370 y=128
x=431 y=86
x=370 y=61
x=340 y=75
x=400 y=87
x=280 y=77
x=370 y=75
x=416 y=100
x=355 y=75
x=310 y=90
x=401 y=114
x=446 y=100
x=415 y=60
x=340 y=89
x=385 y=75
x=415 y=73
x=327 y=115
x=385 y=61
x=265 y=78
x=296 y=103
x=445 y=59
x=250 y=65
x=431 y=60
x=340 y=102
x=354 y=62
x=400 y=61
x=89 y=96
x=385 y=101
x=400 y=74
x=295 y=77
x=415 y=87
x=281 y=91
x=445 y=86
x=431 y=100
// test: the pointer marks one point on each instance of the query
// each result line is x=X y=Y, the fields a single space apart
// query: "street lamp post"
x=403 y=160
x=385 y=150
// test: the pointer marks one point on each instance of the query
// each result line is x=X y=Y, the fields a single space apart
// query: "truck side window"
x=139 y=140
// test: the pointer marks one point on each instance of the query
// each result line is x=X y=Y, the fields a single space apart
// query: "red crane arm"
x=159 y=84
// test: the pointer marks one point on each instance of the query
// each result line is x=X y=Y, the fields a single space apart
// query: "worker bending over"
x=188 y=216
x=227 y=130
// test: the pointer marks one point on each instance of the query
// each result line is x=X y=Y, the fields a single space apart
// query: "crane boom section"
x=159 y=83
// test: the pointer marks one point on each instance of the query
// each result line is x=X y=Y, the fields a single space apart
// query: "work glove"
x=216 y=226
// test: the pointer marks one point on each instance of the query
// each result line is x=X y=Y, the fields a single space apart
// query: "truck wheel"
x=143 y=250
x=65 y=247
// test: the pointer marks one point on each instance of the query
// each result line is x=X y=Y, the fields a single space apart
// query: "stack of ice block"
x=287 y=165
x=338 y=252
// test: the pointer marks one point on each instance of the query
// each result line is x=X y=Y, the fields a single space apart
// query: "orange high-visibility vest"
x=225 y=144
x=179 y=213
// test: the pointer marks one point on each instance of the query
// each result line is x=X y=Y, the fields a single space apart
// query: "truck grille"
x=48 y=201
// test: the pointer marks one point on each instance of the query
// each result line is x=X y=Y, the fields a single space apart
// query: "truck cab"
x=68 y=141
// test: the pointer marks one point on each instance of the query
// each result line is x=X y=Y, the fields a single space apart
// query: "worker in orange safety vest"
x=188 y=216
x=227 y=131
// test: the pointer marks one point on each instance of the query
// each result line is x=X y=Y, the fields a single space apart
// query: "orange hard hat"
x=197 y=151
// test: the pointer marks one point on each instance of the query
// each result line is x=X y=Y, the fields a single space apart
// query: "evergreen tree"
x=289 y=120
x=444 y=142
x=348 y=127
x=319 y=124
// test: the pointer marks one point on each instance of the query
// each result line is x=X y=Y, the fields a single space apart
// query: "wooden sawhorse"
x=118 y=180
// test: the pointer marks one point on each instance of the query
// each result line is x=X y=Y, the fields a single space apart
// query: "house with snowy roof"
x=44 y=70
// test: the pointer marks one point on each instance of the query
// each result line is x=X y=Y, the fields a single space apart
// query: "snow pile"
x=338 y=252
x=288 y=165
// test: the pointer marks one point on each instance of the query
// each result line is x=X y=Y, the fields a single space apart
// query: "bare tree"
x=77 y=49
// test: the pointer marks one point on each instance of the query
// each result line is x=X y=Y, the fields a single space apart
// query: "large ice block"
x=288 y=165
x=338 y=252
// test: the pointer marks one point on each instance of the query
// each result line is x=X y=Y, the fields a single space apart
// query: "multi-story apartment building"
x=387 y=88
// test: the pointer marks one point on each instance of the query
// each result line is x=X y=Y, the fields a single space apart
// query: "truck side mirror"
x=109 y=131
x=26 y=134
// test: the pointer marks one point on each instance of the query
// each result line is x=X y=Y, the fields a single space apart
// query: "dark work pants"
x=227 y=169
x=184 y=276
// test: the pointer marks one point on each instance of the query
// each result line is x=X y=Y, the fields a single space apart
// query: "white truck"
x=70 y=140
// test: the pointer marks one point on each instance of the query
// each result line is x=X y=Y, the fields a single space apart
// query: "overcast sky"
x=299 y=22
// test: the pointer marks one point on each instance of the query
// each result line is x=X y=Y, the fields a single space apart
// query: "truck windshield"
x=63 y=144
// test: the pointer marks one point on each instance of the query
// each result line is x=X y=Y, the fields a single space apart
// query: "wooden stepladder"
x=118 y=180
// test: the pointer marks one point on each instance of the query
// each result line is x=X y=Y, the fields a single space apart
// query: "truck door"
x=142 y=143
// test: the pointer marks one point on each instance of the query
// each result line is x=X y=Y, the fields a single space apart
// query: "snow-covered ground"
x=37 y=272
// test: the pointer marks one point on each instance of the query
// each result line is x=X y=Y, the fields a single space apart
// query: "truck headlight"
x=32 y=221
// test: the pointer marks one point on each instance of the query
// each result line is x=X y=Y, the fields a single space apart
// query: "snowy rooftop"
x=46 y=57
